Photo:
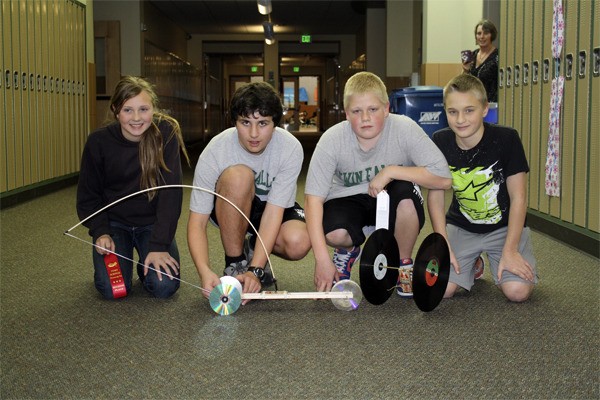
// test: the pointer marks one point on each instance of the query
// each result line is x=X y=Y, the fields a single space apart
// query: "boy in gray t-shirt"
x=255 y=165
x=356 y=159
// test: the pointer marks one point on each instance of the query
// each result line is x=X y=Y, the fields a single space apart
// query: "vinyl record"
x=430 y=272
x=376 y=280
x=346 y=285
x=225 y=299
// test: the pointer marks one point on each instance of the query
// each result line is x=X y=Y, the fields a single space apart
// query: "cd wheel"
x=225 y=299
x=346 y=285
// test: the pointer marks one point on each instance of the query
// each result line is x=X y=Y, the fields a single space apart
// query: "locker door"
x=502 y=53
x=26 y=115
x=15 y=127
x=510 y=63
x=546 y=81
x=6 y=98
x=32 y=49
x=568 y=132
x=517 y=64
x=525 y=128
x=536 y=159
x=592 y=81
x=45 y=93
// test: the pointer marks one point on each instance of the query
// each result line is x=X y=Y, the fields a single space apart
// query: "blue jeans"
x=126 y=239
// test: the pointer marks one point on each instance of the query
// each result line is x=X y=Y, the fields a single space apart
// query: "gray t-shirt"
x=340 y=168
x=276 y=169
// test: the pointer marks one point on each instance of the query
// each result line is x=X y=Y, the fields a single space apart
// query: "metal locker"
x=593 y=83
x=567 y=131
x=535 y=163
x=525 y=116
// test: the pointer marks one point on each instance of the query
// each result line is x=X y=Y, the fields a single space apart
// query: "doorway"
x=301 y=103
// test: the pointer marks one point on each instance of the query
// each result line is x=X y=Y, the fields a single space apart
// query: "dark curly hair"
x=255 y=97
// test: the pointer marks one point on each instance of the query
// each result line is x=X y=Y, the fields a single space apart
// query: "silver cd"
x=225 y=299
x=346 y=285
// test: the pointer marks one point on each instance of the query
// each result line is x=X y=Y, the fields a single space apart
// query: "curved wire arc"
x=67 y=232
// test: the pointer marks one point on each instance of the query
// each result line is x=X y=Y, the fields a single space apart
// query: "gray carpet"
x=60 y=340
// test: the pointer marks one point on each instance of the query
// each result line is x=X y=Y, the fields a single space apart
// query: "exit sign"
x=296 y=69
x=306 y=39
x=253 y=69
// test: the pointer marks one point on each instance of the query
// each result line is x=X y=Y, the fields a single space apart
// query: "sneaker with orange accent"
x=479 y=265
x=404 y=285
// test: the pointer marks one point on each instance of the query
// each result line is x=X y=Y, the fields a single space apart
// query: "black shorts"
x=352 y=213
x=296 y=212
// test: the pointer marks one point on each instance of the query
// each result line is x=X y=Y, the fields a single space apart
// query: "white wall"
x=448 y=28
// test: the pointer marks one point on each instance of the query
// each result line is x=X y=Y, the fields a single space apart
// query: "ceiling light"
x=269 y=33
x=264 y=6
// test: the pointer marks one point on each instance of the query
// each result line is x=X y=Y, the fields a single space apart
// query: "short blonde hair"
x=365 y=82
x=464 y=83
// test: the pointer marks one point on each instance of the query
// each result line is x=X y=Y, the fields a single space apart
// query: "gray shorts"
x=467 y=246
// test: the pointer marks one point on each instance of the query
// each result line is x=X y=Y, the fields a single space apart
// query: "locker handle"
x=582 y=63
x=546 y=73
x=525 y=74
x=39 y=82
x=596 y=61
x=24 y=80
x=569 y=66
x=45 y=83
x=517 y=80
x=535 y=72
x=508 y=76
x=31 y=82
x=501 y=78
x=16 y=79
x=7 y=79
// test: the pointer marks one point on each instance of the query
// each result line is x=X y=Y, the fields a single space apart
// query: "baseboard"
x=26 y=193
x=579 y=238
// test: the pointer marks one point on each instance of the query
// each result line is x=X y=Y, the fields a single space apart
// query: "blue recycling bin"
x=492 y=115
x=422 y=104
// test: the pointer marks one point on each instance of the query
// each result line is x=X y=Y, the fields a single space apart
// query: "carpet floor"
x=60 y=340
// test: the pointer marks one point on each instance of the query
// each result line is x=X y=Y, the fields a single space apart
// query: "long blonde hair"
x=151 y=143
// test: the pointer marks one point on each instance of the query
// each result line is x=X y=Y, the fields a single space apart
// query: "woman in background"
x=484 y=62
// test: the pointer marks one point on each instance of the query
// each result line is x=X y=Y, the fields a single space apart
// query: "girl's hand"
x=161 y=260
x=105 y=242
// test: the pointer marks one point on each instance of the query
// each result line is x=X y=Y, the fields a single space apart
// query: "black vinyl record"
x=376 y=280
x=430 y=272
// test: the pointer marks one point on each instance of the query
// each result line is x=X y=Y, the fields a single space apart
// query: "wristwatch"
x=258 y=272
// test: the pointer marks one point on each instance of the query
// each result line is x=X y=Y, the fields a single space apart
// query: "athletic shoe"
x=479 y=265
x=404 y=285
x=344 y=259
x=236 y=268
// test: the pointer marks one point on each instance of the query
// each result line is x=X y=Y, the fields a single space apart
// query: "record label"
x=433 y=269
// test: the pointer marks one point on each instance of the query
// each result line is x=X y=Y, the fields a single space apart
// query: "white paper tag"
x=383 y=210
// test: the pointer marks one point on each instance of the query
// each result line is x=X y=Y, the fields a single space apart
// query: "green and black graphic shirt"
x=480 y=203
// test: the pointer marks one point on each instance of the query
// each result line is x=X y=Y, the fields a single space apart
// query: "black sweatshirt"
x=110 y=170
